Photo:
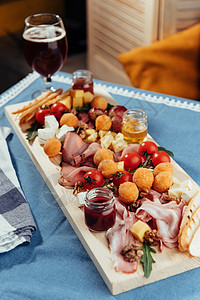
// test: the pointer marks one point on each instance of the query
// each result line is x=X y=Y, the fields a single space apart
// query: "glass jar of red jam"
x=99 y=209
x=82 y=80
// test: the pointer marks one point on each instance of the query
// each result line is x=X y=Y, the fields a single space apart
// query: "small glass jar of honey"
x=134 y=126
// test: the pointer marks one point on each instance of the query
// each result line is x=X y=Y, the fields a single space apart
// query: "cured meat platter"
x=169 y=262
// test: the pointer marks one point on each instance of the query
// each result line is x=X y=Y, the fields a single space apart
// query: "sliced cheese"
x=138 y=230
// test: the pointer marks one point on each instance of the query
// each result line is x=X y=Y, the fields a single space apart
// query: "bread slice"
x=194 y=247
x=193 y=205
x=189 y=230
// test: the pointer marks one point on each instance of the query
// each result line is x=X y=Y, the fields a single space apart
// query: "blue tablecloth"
x=55 y=265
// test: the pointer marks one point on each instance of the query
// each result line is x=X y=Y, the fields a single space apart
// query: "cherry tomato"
x=121 y=177
x=92 y=179
x=131 y=160
x=160 y=157
x=57 y=109
x=147 y=148
x=41 y=114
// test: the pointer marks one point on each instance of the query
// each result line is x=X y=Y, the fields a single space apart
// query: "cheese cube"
x=81 y=198
x=138 y=230
x=44 y=134
x=77 y=102
x=118 y=145
x=90 y=131
x=61 y=132
x=119 y=136
x=91 y=138
x=88 y=97
x=102 y=133
x=120 y=166
x=106 y=140
x=51 y=122
x=67 y=101
x=77 y=93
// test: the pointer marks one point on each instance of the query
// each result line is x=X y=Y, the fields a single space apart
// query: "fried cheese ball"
x=52 y=147
x=100 y=102
x=143 y=178
x=103 y=122
x=163 y=167
x=128 y=192
x=101 y=155
x=69 y=119
x=107 y=167
x=162 y=182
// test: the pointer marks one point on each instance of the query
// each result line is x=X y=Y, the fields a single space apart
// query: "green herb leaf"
x=84 y=108
x=32 y=132
x=167 y=151
x=147 y=260
x=109 y=106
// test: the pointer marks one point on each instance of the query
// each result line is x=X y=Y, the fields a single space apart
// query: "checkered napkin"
x=16 y=220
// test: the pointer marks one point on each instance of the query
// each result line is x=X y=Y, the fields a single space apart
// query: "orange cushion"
x=170 y=66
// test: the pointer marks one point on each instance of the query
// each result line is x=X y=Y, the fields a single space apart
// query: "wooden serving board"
x=168 y=263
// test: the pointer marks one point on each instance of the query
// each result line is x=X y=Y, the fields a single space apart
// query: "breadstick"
x=36 y=100
x=58 y=98
x=29 y=113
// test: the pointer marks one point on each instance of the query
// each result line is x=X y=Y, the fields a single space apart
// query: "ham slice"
x=70 y=174
x=168 y=218
x=119 y=236
x=90 y=151
x=130 y=148
x=73 y=146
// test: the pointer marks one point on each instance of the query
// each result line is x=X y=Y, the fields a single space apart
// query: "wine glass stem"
x=48 y=85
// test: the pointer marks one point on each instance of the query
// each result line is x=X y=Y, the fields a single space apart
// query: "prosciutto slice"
x=70 y=174
x=168 y=218
x=73 y=146
x=119 y=236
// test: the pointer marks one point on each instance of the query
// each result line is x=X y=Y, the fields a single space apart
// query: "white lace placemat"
x=140 y=95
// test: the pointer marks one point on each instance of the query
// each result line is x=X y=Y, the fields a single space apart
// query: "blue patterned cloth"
x=55 y=265
x=16 y=221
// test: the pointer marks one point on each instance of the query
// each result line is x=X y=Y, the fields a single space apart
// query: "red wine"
x=45 y=50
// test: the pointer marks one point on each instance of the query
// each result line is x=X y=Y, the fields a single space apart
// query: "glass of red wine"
x=45 y=45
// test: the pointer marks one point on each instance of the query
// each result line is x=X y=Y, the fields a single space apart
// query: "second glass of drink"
x=45 y=44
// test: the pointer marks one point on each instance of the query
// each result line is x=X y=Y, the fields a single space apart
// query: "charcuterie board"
x=168 y=263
